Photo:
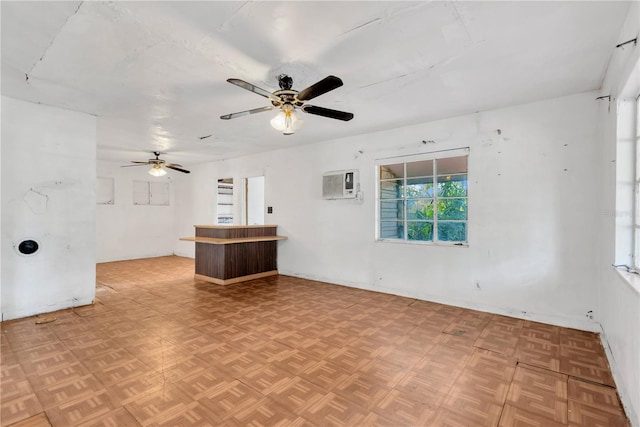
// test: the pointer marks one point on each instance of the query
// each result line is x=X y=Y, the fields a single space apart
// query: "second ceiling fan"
x=158 y=165
x=287 y=100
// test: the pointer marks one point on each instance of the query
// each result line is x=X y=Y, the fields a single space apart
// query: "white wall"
x=619 y=300
x=48 y=194
x=531 y=229
x=128 y=231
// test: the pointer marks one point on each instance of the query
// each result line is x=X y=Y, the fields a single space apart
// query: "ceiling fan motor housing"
x=156 y=161
x=285 y=82
x=287 y=97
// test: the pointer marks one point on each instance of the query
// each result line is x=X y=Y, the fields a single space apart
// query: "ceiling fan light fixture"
x=157 y=170
x=278 y=122
x=287 y=121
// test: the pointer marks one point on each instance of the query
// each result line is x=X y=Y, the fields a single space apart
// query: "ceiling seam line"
x=52 y=41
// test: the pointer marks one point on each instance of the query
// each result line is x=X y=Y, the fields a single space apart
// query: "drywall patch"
x=36 y=201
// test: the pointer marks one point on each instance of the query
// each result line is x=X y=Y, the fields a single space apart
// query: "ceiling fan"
x=288 y=100
x=158 y=165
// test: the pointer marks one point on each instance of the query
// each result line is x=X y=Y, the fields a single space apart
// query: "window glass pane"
x=423 y=168
x=159 y=193
x=391 y=189
x=452 y=209
x=452 y=231
x=391 y=230
x=104 y=191
x=140 y=192
x=420 y=209
x=420 y=187
x=452 y=186
x=420 y=230
x=636 y=194
x=391 y=210
x=452 y=165
x=392 y=171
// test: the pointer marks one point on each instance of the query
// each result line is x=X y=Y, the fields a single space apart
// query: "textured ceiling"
x=154 y=73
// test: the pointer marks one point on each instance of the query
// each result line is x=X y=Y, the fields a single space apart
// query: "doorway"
x=254 y=200
x=225 y=201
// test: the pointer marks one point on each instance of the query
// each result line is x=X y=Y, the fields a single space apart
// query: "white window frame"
x=627 y=197
x=458 y=152
x=155 y=193
x=636 y=186
x=105 y=191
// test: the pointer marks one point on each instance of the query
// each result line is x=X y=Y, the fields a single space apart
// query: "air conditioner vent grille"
x=340 y=184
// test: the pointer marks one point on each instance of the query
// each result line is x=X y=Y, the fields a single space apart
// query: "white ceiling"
x=154 y=73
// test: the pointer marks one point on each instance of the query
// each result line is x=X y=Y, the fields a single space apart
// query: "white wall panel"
x=532 y=218
x=48 y=195
x=126 y=230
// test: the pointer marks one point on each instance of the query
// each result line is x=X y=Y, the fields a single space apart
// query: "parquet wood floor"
x=160 y=349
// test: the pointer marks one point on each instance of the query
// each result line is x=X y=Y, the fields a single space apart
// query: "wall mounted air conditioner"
x=343 y=184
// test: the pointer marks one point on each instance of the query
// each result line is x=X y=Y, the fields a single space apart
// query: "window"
x=636 y=192
x=627 y=212
x=104 y=191
x=423 y=198
x=150 y=193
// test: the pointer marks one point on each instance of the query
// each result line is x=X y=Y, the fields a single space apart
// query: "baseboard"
x=627 y=404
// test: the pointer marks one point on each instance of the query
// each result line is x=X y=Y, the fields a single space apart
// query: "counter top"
x=224 y=227
x=229 y=241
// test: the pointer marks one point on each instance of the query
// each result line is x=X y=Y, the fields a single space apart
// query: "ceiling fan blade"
x=254 y=89
x=246 y=113
x=173 y=164
x=177 y=169
x=323 y=86
x=141 y=163
x=326 y=112
x=137 y=164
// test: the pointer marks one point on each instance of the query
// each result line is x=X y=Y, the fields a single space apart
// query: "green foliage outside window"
x=452 y=205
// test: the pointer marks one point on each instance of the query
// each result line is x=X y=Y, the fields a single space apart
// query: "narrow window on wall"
x=151 y=193
x=636 y=222
x=423 y=198
x=627 y=195
x=104 y=191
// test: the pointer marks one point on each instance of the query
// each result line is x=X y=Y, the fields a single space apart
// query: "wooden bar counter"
x=227 y=254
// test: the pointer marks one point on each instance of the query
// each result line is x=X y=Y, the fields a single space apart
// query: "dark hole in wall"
x=28 y=247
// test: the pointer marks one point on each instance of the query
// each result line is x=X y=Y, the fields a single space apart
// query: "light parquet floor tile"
x=158 y=406
x=60 y=393
x=335 y=410
x=117 y=418
x=516 y=417
x=403 y=409
x=77 y=412
x=39 y=420
x=539 y=392
x=297 y=394
x=233 y=397
x=596 y=396
x=588 y=416
x=14 y=410
x=161 y=349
